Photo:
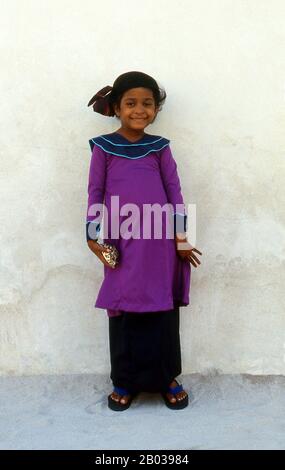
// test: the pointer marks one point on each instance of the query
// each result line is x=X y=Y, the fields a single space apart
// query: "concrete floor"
x=70 y=412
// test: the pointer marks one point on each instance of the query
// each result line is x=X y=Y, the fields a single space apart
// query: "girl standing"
x=144 y=291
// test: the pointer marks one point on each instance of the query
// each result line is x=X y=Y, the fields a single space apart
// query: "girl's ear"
x=117 y=110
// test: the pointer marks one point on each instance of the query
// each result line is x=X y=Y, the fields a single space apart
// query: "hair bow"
x=100 y=101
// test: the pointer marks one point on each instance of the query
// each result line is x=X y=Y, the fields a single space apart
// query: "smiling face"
x=137 y=109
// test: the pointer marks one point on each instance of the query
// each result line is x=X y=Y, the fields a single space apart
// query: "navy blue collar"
x=116 y=144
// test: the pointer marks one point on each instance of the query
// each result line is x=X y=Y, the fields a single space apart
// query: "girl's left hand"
x=185 y=251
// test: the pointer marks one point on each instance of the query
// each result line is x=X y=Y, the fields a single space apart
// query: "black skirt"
x=145 y=350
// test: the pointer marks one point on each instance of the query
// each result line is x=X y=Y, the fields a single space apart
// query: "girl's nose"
x=139 y=108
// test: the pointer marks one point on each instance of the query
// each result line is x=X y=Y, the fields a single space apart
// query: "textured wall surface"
x=222 y=64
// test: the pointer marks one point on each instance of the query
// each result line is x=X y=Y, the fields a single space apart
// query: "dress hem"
x=140 y=309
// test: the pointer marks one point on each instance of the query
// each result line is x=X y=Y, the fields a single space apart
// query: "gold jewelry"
x=110 y=256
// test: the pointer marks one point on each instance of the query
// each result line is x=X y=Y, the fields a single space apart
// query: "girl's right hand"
x=97 y=250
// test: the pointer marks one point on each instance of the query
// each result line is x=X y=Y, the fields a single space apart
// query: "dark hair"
x=134 y=79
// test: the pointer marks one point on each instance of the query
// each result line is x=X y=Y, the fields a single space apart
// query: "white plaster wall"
x=222 y=63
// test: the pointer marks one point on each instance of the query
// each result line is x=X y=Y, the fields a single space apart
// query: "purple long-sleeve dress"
x=150 y=276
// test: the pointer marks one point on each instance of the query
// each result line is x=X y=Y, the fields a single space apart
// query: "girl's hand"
x=185 y=250
x=97 y=250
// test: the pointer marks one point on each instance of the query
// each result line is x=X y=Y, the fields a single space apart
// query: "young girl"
x=151 y=280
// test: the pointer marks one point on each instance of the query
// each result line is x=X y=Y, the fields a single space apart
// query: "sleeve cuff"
x=92 y=230
x=180 y=223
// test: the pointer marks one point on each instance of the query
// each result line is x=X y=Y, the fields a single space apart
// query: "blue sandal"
x=179 y=404
x=117 y=405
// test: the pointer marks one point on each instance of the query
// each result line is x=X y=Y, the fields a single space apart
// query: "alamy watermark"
x=147 y=221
